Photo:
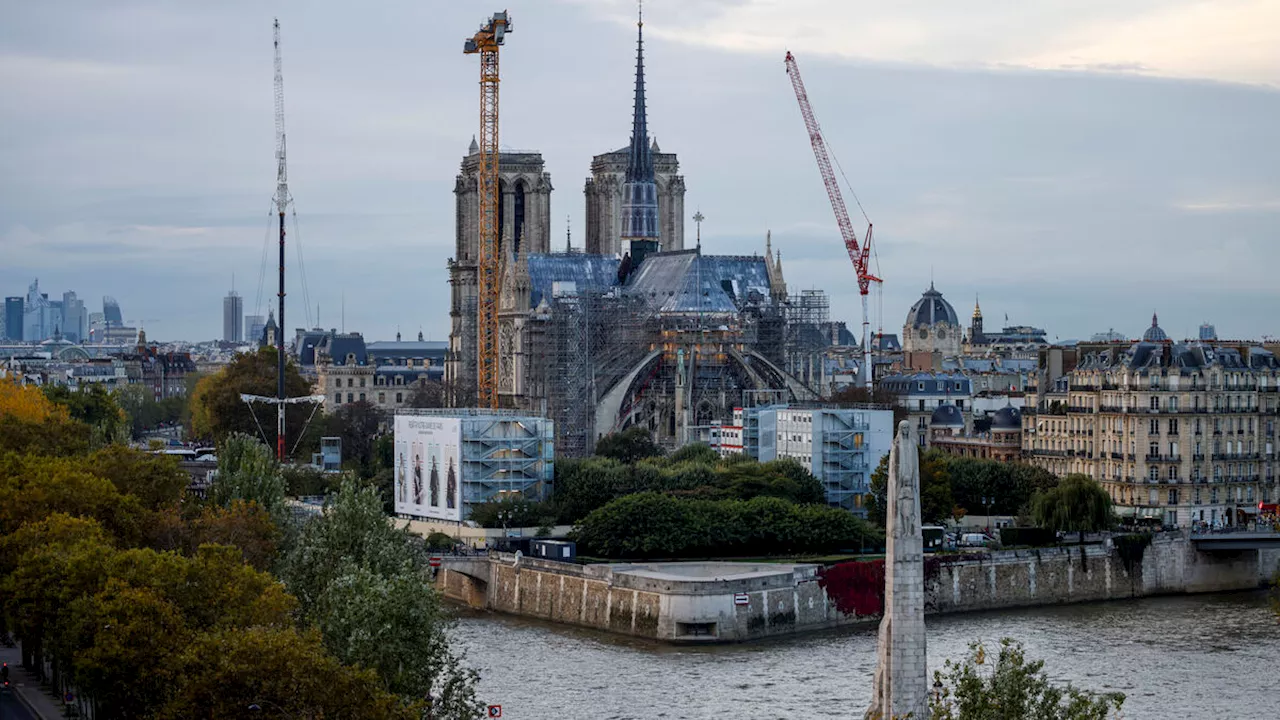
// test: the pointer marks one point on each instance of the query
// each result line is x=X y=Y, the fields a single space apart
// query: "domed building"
x=1155 y=334
x=932 y=326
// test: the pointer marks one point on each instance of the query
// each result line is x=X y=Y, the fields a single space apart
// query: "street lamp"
x=988 y=501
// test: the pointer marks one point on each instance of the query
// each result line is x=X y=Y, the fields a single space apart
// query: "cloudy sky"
x=1075 y=163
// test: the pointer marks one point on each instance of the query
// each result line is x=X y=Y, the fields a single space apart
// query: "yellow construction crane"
x=486 y=43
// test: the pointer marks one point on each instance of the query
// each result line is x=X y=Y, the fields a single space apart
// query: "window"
x=1154 y=428
x=922 y=408
x=1173 y=427
x=1173 y=405
x=1154 y=497
x=1153 y=474
x=350 y=382
x=361 y=397
x=361 y=382
x=382 y=398
x=1173 y=473
x=1155 y=401
x=1173 y=497
x=399 y=397
x=959 y=404
x=350 y=398
x=337 y=382
x=337 y=398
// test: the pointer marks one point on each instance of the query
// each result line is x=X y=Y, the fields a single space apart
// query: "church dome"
x=947 y=415
x=1007 y=418
x=1154 y=333
x=930 y=310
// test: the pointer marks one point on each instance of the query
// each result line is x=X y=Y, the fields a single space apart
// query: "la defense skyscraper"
x=233 y=317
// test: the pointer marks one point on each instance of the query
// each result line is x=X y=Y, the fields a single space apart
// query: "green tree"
x=358 y=425
x=1009 y=687
x=395 y=624
x=354 y=573
x=247 y=471
x=93 y=406
x=628 y=446
x=217 y=410
x=1010 y=485
x=1077 y=504
x=512 y=513
x=156 y=480
x=285 y=672
x=936 y=501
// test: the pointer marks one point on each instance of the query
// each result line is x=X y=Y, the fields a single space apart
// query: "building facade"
x=840 y=446
x=920 y=394
x=932 y=326
x=1183 y=433
x=14 y=309
x=233 y=318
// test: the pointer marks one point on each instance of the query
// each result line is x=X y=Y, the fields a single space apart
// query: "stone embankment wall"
x=617 y=599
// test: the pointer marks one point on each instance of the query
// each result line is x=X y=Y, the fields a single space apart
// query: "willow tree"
x=1077 y=504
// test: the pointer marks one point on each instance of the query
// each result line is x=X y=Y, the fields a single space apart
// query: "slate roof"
x=931 y=308
x=687 y=281
x=588 y=272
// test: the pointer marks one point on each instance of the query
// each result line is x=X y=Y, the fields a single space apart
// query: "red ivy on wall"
x=856 y=587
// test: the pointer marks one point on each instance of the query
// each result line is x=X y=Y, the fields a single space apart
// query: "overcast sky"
x=1075 y=163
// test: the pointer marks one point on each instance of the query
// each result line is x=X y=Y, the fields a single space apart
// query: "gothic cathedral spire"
x=639 y=192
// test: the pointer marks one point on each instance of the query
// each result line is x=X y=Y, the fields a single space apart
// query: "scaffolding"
x=808 y=323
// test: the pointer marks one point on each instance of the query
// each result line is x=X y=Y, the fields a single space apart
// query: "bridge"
x=1240 y=540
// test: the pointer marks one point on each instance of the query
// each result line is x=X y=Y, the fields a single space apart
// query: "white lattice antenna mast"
x=282 y=171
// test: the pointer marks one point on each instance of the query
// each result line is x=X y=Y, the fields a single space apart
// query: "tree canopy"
x=633 y=444
x=1077 y=504
x=217 y=410
x=1009 y=687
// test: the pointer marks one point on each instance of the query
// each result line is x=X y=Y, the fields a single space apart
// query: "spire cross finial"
x=698 y=217
x=640 y=21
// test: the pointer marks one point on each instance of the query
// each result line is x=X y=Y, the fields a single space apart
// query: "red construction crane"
x=859 y=253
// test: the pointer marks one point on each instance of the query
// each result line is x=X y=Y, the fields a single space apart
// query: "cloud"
x=1228 y=40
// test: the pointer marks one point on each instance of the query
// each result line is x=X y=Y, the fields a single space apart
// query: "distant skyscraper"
x=13 y=311
x=233 y=317
x=111 y=312
x=1208 y=332
x=253 y=325
x=75 y=318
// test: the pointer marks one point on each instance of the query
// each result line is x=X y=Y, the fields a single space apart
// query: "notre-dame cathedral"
x=636 y=329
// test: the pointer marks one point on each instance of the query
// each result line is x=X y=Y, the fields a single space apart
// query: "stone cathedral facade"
x=604 y=201
x=524 y=217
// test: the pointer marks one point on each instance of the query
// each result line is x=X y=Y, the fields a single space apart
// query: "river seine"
x=1204 y=656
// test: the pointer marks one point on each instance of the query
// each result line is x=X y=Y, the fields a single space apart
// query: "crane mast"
x=486 y=43
x=859 y=253
x=282 y=200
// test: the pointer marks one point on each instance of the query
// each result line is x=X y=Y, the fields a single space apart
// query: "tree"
x=512 y=513
x=1012 y=689
x=284 y=671
x=1010 y=485
x=32 y=488
x=628 y=446
x=936 y=502
x=358 y=425
x=243 y=525
x=27 y=403
x=362 y=580
x=156 y=480
x=247 y=471
x=427 y=394
x=1077 y=504
x=217 y=410
x=93 y=406
x=395 y=625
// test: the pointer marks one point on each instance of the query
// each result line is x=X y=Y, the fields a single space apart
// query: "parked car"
x=976 y=540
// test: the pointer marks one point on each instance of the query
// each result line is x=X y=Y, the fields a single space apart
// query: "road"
x=11 y=708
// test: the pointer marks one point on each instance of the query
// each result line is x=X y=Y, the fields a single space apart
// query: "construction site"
x=638 y=330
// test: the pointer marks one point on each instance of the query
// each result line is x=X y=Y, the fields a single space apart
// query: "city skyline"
x=1072 y=182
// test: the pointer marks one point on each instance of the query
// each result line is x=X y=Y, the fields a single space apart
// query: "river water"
x=1203 y=656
